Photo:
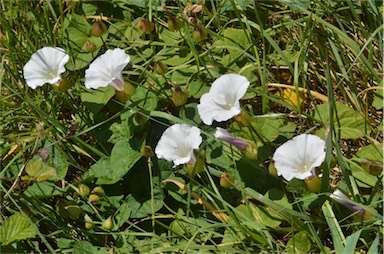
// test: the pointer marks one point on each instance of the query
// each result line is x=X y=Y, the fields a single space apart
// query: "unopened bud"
x=196 y=8
x=83 y=190
x=141 y=118
x=272 y=169
x=127 y=92
x=146 y=26
x=196 y=166
x=313 y=184
x=146 y=151
x=73 y=211
x=98 y=190
x=90 y=46
x=251 y=151
x=243 y=119
x=63 y=85
x=179 y=97
x=160 y=68
x=98 y=29
x=108 y=223
x=226 y=180
x=174 y=23
x=93 y=198
x=199 y=34
x=89 y=224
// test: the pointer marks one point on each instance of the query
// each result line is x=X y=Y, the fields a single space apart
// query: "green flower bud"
x=226 y=180
x=93 y=198
x=251 y=151
x=174 y=23
x=196 y=166
x=89 y=224
x=127 y=92
x=108 y=223
x=199 y=34
x=98 y=191
x=73 y=211
x=146 y=26
x=160 y=68
x=179 y=97
x=90 y=46
x=272 y=169
x=243 y=119
x=313 y=184
x=146 y=151
x=63 y=85
x=83 y=190
x=98 y=28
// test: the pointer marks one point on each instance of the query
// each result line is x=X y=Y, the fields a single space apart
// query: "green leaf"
x=299 y=243
x=122 y=159
x=348 y=123
x=235 y=41
x=123 y=214
x=183 y=75
x=95 y=99
x=378 y=99
x=336 y=232
x=39 y=171
x=144 y=99
x=84 y=247
x=269 y=128
x=197 y=88
x=265 y=216
x=16 y=228
x=42 y=190
x=297 y=5
x=190 y=114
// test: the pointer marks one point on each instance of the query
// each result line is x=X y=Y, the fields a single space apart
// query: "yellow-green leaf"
x=16 y=228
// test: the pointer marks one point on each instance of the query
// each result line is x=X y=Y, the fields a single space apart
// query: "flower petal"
x=178 y=142
x=297 y=158
x=209 y=110
x=221 y=103
x=106 y=70
x=45 y=66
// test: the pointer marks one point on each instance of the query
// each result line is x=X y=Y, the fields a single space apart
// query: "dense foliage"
x=79 y=168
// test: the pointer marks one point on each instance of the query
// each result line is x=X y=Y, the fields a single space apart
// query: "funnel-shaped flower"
x=45 y=66
x=298 y=158
x=177 y=144
x=222 y=101
x=106 y=70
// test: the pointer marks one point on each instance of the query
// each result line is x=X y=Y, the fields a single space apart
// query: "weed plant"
x=78 y=172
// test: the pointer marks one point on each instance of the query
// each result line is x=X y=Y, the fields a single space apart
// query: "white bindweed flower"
x=298 y=158
x=106 y=70
x=221 y=103
x=177 y=144
x=45 y=66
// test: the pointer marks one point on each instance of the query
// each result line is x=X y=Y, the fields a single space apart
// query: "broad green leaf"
x=144 y=99
x=348 y=123
x=368 y=153
x=84 y=247
x=279 y=198
x=269 y=128
x=351 y=241
x=197 y=88
x=378 y=99
x=235 y=41
x=42 y=190
x=34 y=167
x=297 y=5
x=39 y=171
x=299 y=243
x=122 y=159
x=265 y=216
x=120 y=131
x=178 y=59
x=95 y=99
x=183 y=75
x=123 y=214
x=190 y=114
x=16 y=228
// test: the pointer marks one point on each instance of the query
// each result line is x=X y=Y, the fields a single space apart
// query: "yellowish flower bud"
x=73 y=211
x=146 y=26
x=251 y=151
x=89 y=224
x=98 y=28
x=174 y=23
x=93 y=198
x=179 y=97
x=127 y=92
x=90 y=46
x=313 y=184
x=146 y=151
x=140 y=118
x=272 y=169
x=196 y=166
x=108 y=223
x=98 y=190
x=83 y=190
x=226 y=180
x=243 y=119
x=199 y=34
x=63 y=85
x=372 y=167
